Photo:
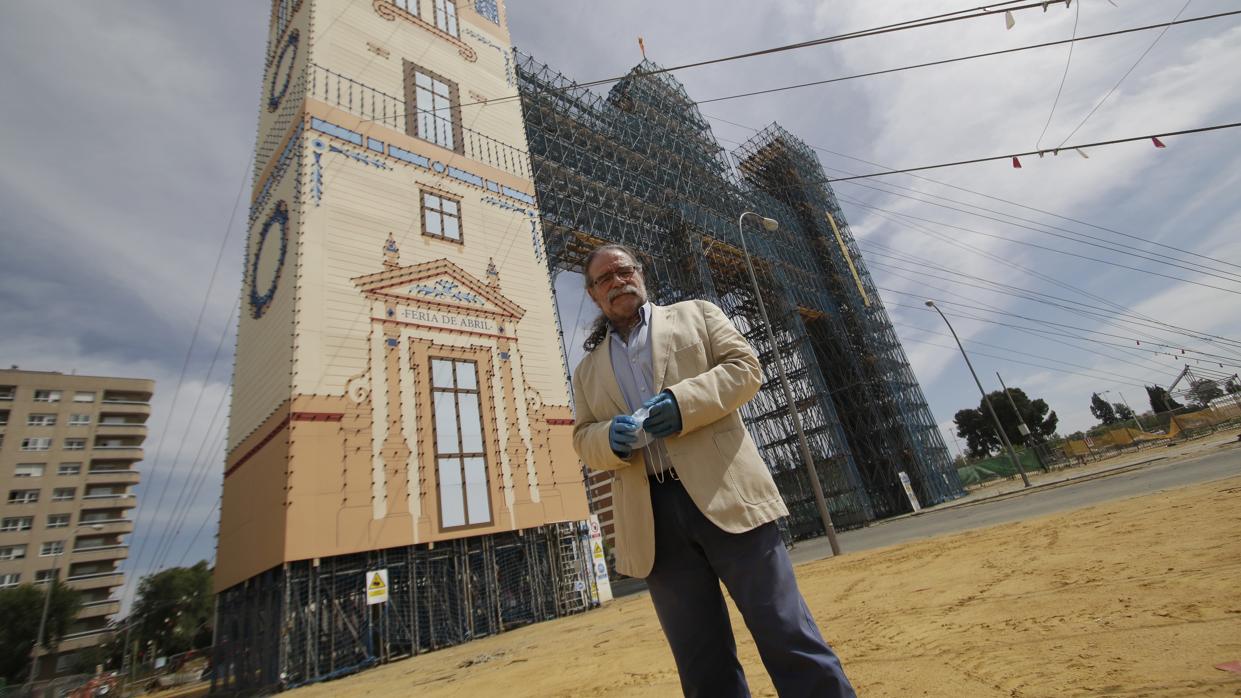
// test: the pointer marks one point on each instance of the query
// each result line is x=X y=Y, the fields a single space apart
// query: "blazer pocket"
x=746 y=471
x=689 y=360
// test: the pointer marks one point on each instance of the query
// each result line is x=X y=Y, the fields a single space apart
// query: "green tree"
x=1161 y=401
x=21 y=608
x=1102 y=411
x=978 y=430
x=1123 y=413
x=173 y=610
x=1204 y=391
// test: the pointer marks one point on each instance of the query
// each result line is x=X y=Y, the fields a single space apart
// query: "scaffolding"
x=309 y=620
x=640 y=166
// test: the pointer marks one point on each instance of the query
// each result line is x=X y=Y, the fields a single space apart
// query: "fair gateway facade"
x=399 y=398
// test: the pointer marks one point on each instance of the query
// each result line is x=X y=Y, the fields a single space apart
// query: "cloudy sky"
x=127 y=129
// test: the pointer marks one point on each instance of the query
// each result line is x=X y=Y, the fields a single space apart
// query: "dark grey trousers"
x=692 y=557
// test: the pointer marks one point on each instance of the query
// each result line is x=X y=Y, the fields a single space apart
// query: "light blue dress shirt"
x=635 y=372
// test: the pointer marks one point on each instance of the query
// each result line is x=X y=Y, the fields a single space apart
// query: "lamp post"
x=999 y=428
x=1126 y=403
x=47 y=603
x=807 y=460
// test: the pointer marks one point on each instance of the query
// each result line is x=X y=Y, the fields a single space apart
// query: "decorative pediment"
x=438 y=283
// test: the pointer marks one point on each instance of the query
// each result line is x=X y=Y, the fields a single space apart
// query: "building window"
x=79 y=420
x=410 y=6
x=441 y=216
x=488 y=9
x=58 y=520
x=28 y=470
x=11 y=524
x=43 y=576
x=437 y=113
x=75 y=444
x=64 y=494
x=47 y=396
x=6 y=392
x=461 y=465
x=52 y=547
x=84 y=397
x=9 y=580
x=13 y=552
x=446 y=16
x=4 y=417
x=69 y=469
x=41 y=420
x=23 y=496
x=41 y=443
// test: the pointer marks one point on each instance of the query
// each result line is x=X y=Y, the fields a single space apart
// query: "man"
x=697 y=506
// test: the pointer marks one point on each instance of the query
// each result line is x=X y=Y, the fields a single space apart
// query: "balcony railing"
x=382 y=108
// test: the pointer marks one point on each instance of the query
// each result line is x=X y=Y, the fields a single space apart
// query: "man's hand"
x=623 y=434
x=665 y=417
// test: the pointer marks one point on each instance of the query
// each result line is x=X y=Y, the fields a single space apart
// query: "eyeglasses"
x=623 y=273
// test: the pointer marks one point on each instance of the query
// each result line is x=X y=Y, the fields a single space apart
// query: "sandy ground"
x=1138 y=597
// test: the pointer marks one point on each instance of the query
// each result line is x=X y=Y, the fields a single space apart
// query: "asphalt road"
x=1048 y=499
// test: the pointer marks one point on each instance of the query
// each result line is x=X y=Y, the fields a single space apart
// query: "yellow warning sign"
x=377 y=587
x=598 y=551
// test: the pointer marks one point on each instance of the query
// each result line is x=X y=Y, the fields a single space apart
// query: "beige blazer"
x=712 y=371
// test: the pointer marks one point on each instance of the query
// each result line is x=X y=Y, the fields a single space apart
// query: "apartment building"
x=69 y=452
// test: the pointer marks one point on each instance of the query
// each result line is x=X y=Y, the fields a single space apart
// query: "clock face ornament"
x=267 y=259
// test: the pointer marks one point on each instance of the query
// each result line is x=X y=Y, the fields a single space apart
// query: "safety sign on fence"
x=376 y=587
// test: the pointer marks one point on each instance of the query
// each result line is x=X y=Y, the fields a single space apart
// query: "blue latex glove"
x=623 y=434
x=665 y=417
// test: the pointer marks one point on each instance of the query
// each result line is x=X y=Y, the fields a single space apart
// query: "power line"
x=1046 y=248
x=933 y=20
x=1038 y=144
x=1009 y=156
x=960 y=59
x=1127 y=72
x=1028 y=294
x=985 y=196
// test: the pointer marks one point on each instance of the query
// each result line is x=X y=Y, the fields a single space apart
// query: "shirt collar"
x=643 y=315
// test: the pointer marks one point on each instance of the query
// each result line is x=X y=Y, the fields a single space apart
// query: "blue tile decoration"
x=488 y=9
x=510 y=75
x=259 y=302
x=411 y=158
x=444 y=288
x=503 y=355
x=519 y=195
x=467 y=177
x=277 y=173
x=316 y=176
x=536 y=240
x=360 y=157
x=332 y=129
x=396 y=153
x=392 y=341
x=289 y=51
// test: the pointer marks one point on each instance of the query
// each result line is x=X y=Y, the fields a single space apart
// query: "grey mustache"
x=617 y=292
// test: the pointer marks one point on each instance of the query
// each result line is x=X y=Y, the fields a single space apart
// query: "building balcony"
x=94 y=609
x=86 y=638
x=97 y=580
x=129 y=452
x=106 y=527
x=130 y=429
x=113 y=477
x=122 y=500
x=124 y=408
x=100 y=553
x=369 y=103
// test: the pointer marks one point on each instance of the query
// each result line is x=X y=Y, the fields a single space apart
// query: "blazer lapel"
x=610 y=385
x=662 y=331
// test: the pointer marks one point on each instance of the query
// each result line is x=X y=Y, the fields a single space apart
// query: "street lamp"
x=998 y=427
x=1127 y=406
x=47 y=602
x=771 y=224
